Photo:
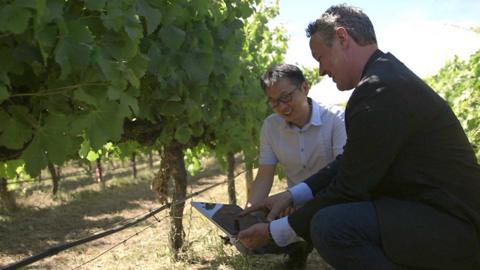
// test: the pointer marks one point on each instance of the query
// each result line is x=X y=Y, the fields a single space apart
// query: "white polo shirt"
x=303 y=152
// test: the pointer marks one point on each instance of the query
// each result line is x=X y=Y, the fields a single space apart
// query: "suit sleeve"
x=376 y=133
x=322 y=178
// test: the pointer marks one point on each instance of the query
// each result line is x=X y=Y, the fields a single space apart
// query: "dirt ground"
x=83 y=208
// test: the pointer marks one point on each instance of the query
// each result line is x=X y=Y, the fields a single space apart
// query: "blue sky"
x=423 y=34
x=434 y=29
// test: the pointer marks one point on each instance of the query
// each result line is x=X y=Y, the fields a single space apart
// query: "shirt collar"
x=317 y=111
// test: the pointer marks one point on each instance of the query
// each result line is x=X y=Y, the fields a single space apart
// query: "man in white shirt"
x=302 y=135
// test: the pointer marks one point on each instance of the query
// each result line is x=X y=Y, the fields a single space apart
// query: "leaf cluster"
x=459 y=82
x=74 y=72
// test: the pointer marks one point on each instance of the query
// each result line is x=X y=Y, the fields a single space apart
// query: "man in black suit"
x=406 y=191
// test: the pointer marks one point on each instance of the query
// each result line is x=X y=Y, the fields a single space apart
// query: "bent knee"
x=323 y=226
x=343 y=224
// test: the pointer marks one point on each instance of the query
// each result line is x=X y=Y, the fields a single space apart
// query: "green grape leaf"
x=46 y=37
x=172 y=36
x=9 y=168
x=194 y=114
x=111 y=69
x=35 y=157
x=200 y=6
x=4 y=117
x=130 y=102
x=16 y=130
x=245 y=10
x=120 y=46
x=95 y=4
x=14 y=133
x=3 y=77
x=132 y=78
x=183 y=134
x=73 y=51
x=171 y=108
x=165 y=137
x=133 y=28
x=3 y=93
x=81 y=122
x=93 y=95
x=54 y=10
x=62 y=57
x=14 y=18
x=79 y=32
x=205 y=37
x=92 y=156
x=155 y=56
x=84 y=149
x=51 y=142
x=114 y=16
x=197 y=130
x=126 y=149
x=25 y=4
x=9 y=63
x=40 y=8
x=198 y=66
x=139 y=64
x=114 y=93
x=106 y=123
x=58 y=143
x=152 y=15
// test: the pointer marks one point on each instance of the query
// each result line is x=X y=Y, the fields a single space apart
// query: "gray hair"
x=353 y=19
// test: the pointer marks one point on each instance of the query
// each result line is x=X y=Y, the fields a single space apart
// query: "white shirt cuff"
x=301 y=193
x=282 y=233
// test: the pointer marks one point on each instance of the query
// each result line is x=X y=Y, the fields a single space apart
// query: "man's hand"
x=274 y=204
x=287 y=212
x=255 y=236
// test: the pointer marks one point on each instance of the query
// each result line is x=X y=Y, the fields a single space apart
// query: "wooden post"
x=232 y=198
x=134 y=164
x=55 y=177
x=7 y=198
x=173 y=156
x=99 y=173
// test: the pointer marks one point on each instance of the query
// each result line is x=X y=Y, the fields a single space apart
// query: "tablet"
x=225 y=217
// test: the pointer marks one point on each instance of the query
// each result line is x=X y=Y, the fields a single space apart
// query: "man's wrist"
x=281 y=232
x=270 y=237
x=290 y=198
x=300 y=194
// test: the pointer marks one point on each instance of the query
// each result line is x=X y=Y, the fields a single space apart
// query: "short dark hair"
x=277 y=72
x=353 y=19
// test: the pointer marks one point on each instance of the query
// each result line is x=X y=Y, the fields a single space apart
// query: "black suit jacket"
x=407 y=152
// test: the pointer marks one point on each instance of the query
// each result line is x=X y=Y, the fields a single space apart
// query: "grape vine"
x=459 y=82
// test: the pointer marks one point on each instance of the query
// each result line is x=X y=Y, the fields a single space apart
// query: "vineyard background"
x=82 y=208
x=109 y=108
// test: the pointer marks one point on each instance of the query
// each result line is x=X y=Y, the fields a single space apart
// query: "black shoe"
x=297 y=255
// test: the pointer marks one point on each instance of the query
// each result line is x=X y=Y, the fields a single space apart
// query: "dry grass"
x=82 y=208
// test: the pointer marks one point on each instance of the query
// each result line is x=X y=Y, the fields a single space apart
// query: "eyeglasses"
x=284 y=98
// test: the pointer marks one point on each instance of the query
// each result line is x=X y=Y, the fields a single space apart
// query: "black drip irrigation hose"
x=56 y=249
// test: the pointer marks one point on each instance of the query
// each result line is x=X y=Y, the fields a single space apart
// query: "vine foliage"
x=459 y=82
x=88 y=72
